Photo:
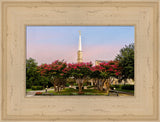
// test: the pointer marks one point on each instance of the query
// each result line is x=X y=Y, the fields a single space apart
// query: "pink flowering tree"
x=80 y=71
x=98 y=75
x=112 y=70
x=104 y=74
x=57 y=72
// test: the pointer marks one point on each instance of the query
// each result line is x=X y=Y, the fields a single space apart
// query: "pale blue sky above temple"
x=49 y=43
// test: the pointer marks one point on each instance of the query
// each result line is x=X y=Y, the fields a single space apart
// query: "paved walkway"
x=32 y=93
x=120 y=94
x=125 y=94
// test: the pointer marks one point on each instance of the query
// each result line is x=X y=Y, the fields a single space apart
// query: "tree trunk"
x=125 y=80
x=80 y=88
x=55 y=88
x=101 y=85
x=102 y=81
x=63 y=86
x=80 y=85
x=58 y=89
x=94 y=83
x=98 y=88
x=107 y=86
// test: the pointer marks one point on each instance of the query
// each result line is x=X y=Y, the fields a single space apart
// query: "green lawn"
x=71 y=91
x=27 y=90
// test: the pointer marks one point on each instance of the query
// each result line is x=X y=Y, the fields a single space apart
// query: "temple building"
x=97 y=62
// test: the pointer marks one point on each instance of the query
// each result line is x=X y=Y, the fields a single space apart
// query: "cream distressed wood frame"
x=17 y=14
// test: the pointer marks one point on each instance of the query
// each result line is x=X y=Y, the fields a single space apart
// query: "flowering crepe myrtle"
x=80 y=70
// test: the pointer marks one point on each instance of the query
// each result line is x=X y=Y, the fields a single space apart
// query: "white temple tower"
x=79 y=53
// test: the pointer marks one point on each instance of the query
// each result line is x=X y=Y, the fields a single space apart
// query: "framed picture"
x=69 y=88
x=62 y=61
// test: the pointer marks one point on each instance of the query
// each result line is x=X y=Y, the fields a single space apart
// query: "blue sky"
x=49 y=43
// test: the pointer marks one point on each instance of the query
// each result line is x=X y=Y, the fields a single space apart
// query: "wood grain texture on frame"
x=17 y=14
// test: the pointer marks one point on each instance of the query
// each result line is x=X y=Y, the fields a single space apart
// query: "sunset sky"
x=46 y=44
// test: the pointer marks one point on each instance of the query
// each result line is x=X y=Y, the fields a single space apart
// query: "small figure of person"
x=46 y=90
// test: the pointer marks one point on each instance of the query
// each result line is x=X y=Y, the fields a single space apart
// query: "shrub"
x=75 y=84
x=37 y=87
x=67 y=84
x=111 y=87
x=85 y=84
x=69 y=90
x=28 y=85
x=128 y=87
x=90 y=87
x=115 y=86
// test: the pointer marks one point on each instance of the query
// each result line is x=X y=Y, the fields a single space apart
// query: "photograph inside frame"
x=80 y=60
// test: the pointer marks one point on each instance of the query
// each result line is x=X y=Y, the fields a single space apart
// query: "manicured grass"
x=27 y=90
x=71 y=91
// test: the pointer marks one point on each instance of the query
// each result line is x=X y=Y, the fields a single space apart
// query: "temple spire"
x=79 y=53
x=80 y=44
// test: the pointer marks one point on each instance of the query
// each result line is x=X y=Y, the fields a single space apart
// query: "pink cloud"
x=48 y=53
x=101 y=52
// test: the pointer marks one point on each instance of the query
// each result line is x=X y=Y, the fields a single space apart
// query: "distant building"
x=100 y=61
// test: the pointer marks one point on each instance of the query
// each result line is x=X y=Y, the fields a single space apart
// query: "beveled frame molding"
x=17 y=14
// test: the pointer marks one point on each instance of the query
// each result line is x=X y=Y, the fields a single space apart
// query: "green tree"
x=33 y=77
x=126 y=61
x=31 y=74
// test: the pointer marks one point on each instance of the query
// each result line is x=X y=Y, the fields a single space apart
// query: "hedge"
x=67 y=85
x=37 y=87
x=126 y=87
